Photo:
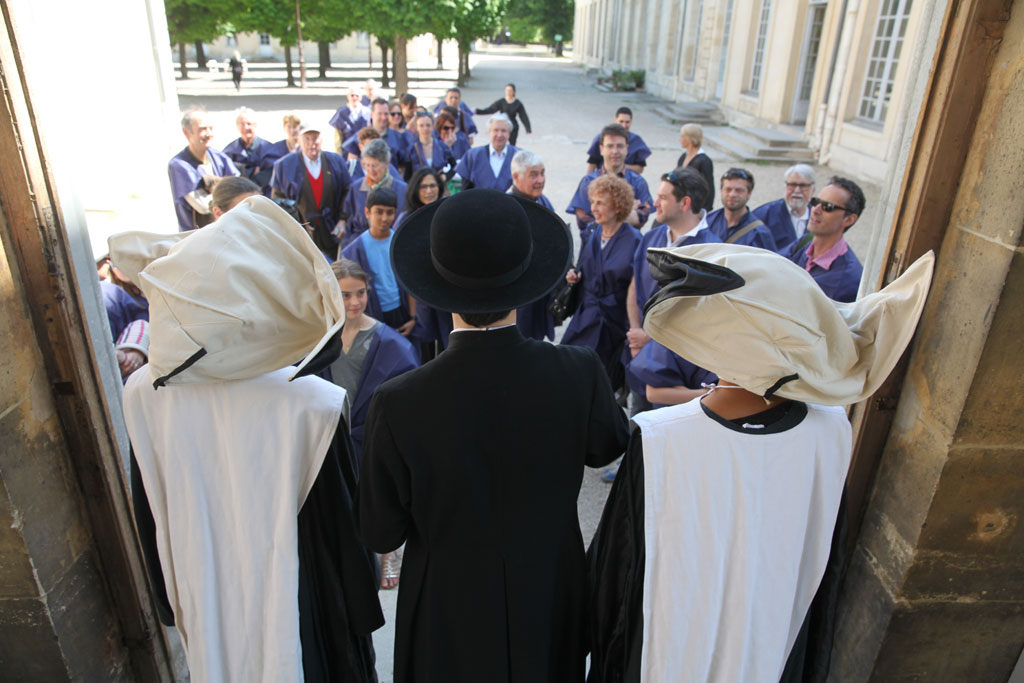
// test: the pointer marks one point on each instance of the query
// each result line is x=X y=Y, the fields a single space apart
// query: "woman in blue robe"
x=448 y=129
x=426 y=149
x=604 y=270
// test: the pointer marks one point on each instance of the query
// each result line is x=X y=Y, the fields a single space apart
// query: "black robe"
x=338 y=606
x=616 y=586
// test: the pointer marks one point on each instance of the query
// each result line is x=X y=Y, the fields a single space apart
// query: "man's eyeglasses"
x=827 y=207
x=802 y=186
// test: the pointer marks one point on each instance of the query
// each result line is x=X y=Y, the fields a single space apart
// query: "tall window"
x=893 y=16
x=813 y=46
x=696 y=42
x=759 y=45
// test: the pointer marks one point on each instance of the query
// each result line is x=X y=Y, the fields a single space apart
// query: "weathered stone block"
x=29 y=650
x=16 y=579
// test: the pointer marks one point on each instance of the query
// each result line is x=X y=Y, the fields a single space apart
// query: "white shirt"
x=799 y=222
x=496 y=158
x=703 y=223
x=312 y=166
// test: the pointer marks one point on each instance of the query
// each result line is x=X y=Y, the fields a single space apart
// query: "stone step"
x=739 y=143
x=704 y=113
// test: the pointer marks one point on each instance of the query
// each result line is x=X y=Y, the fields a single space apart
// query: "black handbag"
x=565 y=301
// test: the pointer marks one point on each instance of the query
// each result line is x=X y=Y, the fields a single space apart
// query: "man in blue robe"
x=379 y=121
x=386 y=301
x=253 y=156
x=614 y=144
x=490 y=166
x=787 y=217
x=349 y=119
x=528 y=179
x=828 y=258
x=637 y=150
x=682 y=221
x=194 y=170
x=734 y=223
x=453 y=98
x=319 y=182
x=375 y=161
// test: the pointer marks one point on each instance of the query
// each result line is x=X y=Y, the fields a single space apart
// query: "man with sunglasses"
x=827 y=256
x=787 y=217
x=734 y=223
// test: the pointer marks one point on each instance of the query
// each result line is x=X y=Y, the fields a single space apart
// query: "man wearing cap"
x=195 y=170
x=734 y=223
x=760 y=460
x=823 y=251
x=318 y=181
x=787 y=217
x=475 y=460
x=242 y=480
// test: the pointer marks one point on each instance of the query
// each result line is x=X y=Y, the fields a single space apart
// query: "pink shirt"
x=825 y=260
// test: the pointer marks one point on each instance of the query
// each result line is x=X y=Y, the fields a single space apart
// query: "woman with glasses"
x=427 y=149
x=448 y=130
x=396 y=121
x=690 y=137
x=512 y=108
x=604 y=271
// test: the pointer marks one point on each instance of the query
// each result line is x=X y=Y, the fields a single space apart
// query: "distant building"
x=831 y=69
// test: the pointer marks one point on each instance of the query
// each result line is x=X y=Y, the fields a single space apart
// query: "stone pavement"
x=566 y=111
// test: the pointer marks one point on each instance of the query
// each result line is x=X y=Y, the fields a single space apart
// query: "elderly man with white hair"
x=253 y=156
x=490 y=166
x=787 y=217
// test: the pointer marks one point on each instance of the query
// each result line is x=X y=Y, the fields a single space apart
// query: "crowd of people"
x=419 y=238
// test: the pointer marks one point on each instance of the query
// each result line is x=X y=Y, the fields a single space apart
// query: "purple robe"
x=841 y=281
x=637 y=151
x=776 y=216
x=760 y=236
x=476 y=172
x=600 y=322
x=183 y=170
x=342 y=121
x=581 y=200
x=255 y=162
x=442 y=161
x=396 y=143
x=290 y=180
x=122 y=308
x=467 y=125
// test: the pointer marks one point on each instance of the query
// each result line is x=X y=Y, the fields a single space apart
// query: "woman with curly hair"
x=604 y=271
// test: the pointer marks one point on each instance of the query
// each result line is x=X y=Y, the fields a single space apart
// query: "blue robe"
x=442 y=161
x=122 y=308
x=183 y=170
x=657 y=366
x=356 y=251
x=461 y=145
x=645 y=287
x=580 y=200
x=469 y=128
x=776 y=216
x=475 y=169
x=760 y=236
x=432 y=324
x=279 y=150
x=637 y=151
x=255 y=162
x=396 y=143
x=600 y=322
x=840 y=282
x=390 y=354
x=343 y=122
x=290 y=180
x=355 y=208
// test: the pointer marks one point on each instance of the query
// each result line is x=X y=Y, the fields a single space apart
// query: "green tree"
x=198 y=21
x=475 y=19
x=325 y=22
x=275 y=17
x=548 y=18
x=394 y=22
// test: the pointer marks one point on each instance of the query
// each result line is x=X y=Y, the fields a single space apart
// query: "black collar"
x=473 y=339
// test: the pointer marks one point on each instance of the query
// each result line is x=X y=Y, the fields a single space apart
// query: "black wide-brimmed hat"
x=480 y=251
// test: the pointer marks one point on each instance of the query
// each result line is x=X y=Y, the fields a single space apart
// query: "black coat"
x=475 y=460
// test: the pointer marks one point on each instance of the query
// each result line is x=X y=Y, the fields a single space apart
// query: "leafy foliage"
x=549 y=18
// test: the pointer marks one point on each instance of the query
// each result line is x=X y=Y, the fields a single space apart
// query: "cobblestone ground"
x=566 y=110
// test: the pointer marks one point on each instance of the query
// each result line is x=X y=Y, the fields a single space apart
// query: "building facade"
x=833 y=71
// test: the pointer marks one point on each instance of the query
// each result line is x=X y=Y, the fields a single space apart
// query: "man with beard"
x=787 y=217
x=734 y=223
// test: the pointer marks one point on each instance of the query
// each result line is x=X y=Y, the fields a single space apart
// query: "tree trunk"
x=463 y=66
x=440 y=59
x=181 y=60
x=385 y=80
x=369 y=51
x=325 y=57
x=200 y=55
x=288 y=65
x=400 y=67
x=558 y=49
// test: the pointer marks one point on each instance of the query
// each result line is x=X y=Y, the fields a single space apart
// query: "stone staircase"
x=758 y=144
x=704 y=113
